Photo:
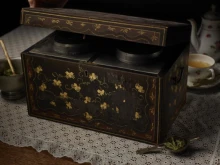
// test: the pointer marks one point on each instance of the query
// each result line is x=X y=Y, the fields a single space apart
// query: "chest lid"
x=114 y=26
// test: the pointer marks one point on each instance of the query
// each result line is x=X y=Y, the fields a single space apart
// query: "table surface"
x=199 y=117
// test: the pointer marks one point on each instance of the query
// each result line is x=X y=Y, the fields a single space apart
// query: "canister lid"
x=212 y=14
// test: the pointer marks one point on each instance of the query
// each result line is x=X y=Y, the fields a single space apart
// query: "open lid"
x=115 y=26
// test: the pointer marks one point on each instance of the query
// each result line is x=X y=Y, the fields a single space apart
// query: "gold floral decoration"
x=133 y=133
x=154 y=38
x=38 y=69
x=139 y=88
x=55 y=21
x=63 y=95
x=97 y=124
x=141 y=32
x=125 y=30
x=28 y=20
x=69 y=75
x=154 y=83
x=68 y=22
x=152 y=127
x=76 y=87
x=41 y=19
x=152 y=96
x=111 y=28
x=117 y=110
x=53 y=103
x=68 y=105
x=57 y=83
x=137 y=116
x=43 y=87
x=88 y=116
x=93 y=77
x=152 y=111
x=176 y=89
x=118 y=86
x=83 y=24
x=87 y=99
x=97 y=26
x=100 y=92
x=104 y=106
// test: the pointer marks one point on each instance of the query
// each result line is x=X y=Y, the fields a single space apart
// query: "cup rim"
x=204 y=55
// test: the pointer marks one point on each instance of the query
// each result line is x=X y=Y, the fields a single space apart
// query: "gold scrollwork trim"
x=68 y=22
x=28 y=20
x=92 y=19
x=143 y=40
x=41 y=19
x=154 y=37
x=97 y=26
x=55 y=21
x=110 y=28
x=125 y=30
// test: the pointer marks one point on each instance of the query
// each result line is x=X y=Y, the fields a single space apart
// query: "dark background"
x=178 y=10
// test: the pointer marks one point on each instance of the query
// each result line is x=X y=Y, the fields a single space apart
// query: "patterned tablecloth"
x=199 y=117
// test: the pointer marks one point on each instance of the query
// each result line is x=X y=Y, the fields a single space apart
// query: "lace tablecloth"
x=199 y=117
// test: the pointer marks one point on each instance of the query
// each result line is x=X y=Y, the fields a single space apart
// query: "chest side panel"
x=174 y=92
x=93 y=97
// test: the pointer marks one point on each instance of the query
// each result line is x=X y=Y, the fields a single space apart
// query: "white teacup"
x=200 y=67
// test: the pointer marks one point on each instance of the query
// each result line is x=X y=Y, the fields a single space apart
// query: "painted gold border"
x=41 y=14
x=158 y=110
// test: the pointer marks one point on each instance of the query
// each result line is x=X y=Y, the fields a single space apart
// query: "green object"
x=7 y=72
x=175 y=144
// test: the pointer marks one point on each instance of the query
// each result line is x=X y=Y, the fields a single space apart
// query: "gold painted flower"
x=104 y=106
x=97 y=26
x=76 y=87
x=87 y=99
x=38 y=69
x=118 y=86
x=43 y=87
x=111 y=28
x=68 y=105
x=152 y=96
x=152 y=110
x=57 y=83
x=93 y=77
x=63 y=95
x=117 y=110
x=139 y=88
x=68 y=22
x=82 y=24
x=55 y=21
x=154 y=38
x=100 y=92
x=88 y=116
x=69 y=75
x=137 y=115
x=125 y=30
x=141 y=32
x=53 y=103
x=41 y=19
